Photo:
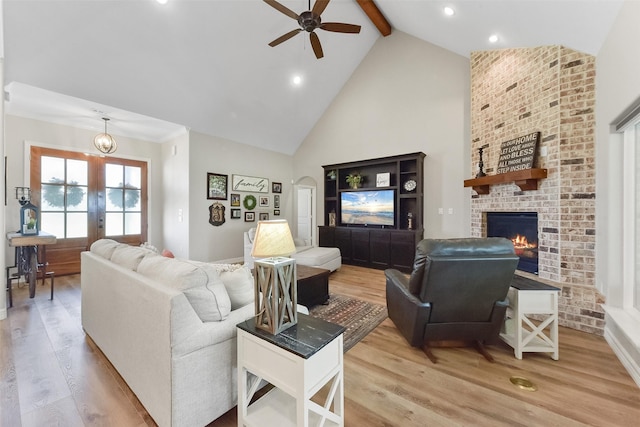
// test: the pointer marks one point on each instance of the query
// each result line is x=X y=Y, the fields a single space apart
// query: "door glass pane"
x=77 y=172
x=64 y=189
x=114 y=224
x=132 y=223
x=54 y=223
x=77 y=224
x=114 y=199
x=132 y=200
x=77 y=198
x=113 y=175
x=132 y=178
x=52 y=169
x=52 y=197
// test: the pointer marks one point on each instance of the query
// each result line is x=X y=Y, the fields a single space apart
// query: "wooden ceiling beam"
x=374 y=14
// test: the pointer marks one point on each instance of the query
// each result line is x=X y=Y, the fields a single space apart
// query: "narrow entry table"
x=27 y=258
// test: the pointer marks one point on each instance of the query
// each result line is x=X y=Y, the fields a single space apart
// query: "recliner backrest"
x=463 y=278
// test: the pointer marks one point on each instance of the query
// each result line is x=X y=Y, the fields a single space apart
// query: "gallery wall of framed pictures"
x=252 y=198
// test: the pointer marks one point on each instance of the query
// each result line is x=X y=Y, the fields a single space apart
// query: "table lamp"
x=276 y=293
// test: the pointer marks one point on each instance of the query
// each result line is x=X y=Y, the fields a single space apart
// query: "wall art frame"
x=263 y=216
x=249 y=216
x=276 y=187
x=249 y=184
x=236 y=213
x=264 y=201
x=235 y=199
x=217 y=185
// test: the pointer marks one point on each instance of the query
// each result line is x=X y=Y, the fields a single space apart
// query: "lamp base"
x=276 y=294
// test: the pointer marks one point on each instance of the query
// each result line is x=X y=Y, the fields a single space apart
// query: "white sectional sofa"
x=306 y=254
x=168 y=326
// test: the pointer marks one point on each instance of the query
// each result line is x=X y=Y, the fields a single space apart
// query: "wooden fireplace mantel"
x=526 y=179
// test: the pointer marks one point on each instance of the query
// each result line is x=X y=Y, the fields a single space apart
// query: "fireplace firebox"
x=522 y=229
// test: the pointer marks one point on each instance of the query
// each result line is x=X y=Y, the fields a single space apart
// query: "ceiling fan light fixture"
x=105 y=142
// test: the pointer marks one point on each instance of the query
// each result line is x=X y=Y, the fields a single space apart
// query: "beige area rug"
x=357 y=316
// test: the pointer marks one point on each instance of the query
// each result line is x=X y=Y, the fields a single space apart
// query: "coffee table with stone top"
x=313 y=285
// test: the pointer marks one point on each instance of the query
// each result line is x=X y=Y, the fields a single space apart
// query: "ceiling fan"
x=309 y=21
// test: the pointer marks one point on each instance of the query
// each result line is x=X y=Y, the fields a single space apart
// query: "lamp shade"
x=273 y=239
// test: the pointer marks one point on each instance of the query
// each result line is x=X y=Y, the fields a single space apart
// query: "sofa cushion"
x=104 y=247
x=238 y=282
x=199 y=282
x=130 y=256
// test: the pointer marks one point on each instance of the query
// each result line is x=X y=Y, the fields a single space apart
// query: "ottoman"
x=319 y=257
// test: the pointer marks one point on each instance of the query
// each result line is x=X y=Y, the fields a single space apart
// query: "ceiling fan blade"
x=285 y=37
x=274 y=4
x=339 y=27
x=319 y=6
x=315 y=44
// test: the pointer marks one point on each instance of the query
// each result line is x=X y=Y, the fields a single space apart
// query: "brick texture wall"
x=549 y=89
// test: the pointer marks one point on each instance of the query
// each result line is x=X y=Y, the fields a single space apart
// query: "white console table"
x=298 y=362
x=526 y=298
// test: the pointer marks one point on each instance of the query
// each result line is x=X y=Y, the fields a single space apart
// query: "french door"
x=83 y=198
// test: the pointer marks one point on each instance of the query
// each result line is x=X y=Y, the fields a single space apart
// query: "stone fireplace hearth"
x=548 y=89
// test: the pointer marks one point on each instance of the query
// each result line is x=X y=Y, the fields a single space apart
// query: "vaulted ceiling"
x=206 y=65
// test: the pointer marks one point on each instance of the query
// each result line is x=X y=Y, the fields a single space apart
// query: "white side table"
x=298 y=362
x=528 y=297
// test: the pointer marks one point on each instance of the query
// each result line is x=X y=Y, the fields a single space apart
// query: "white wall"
x=175 y=187
x=216 y=155
x=20 y=131
x=407 y=95
x=617 y=87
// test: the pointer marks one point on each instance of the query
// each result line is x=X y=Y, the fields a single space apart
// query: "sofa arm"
x=408 y=313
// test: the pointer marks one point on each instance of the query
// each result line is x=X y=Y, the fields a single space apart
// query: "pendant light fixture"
x=105 y=142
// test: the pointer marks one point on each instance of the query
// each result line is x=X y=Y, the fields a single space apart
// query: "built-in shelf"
x=526 y=179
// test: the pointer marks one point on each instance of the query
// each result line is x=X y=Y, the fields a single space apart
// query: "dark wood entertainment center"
x=371 y=245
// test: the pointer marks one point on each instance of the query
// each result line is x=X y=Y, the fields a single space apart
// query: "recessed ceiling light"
x=296 y=80
x=449 y=11
x=493 y=38
x=163 y=1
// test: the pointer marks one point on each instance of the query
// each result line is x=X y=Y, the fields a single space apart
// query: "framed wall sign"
x=217 y=186
x=249 y=184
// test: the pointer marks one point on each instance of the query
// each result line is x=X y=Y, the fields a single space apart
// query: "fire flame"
x=520 y=243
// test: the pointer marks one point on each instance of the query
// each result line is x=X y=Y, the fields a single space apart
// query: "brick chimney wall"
x=549 y=89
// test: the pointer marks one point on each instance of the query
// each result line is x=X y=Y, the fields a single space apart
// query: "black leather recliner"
x=456 y=292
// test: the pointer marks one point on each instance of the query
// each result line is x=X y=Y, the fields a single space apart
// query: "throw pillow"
x=200 y=284
x=130 y=256
x=104 y=247
x=167 y=253
x=252 y=234
x=239 y=284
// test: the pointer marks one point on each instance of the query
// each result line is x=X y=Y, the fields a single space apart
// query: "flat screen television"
x=368 y=207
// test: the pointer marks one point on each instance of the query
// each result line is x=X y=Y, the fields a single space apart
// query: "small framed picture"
x=276 y=212
x=383 y=179
x=235 y=199
x=264 y=216
x=276 y=187
x=217 y=186
x=235 y=213
x=276 y=201
x=249 y=216
x=264 y=201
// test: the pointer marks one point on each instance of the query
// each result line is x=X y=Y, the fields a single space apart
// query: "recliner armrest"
x=409 y=314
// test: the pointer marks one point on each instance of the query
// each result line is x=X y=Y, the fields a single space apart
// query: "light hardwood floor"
x=52 y=375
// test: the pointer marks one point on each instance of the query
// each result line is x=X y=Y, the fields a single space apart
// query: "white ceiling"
x=206 y=65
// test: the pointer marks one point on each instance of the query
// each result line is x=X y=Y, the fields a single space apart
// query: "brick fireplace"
x=549 y=89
